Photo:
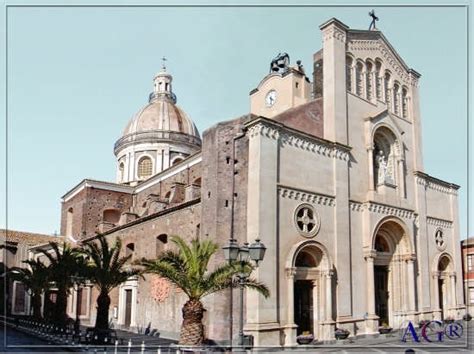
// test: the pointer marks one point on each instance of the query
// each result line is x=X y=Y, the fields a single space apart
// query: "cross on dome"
x=163 y=64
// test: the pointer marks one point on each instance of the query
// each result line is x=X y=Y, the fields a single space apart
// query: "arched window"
x=386 y=89
x=368 y=81
x=161 y=242
x=111 y=215
x=121 y=170
x=145 y=167
x=197 y=182
x=69 y=218
x=349 y=64
x=176 y=161
x=359 y=79
x=404 y=103
x=378 y=79
x=129 y=249
x=396 y=98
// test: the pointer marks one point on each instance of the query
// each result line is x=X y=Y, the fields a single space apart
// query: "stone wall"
x=224 y=187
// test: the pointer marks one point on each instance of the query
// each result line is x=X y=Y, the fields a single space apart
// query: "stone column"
x=401 y=179
x=328 y=276
x=315 y=308
x=370 y=153
x=329 y=323
x=371 y=319
x=351 y=69
x=435 y=307
x=452 y=286
x=290 y=327
x=365 y=88
x=373 y=80
x=410 y=272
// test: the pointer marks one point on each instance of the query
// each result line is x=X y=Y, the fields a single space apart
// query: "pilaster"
x=334 y=79
x=263 y=314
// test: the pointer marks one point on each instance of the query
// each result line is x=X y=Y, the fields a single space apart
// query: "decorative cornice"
x=439 y=222
x=274 y=130
x=89 y=183
x=436 y=184
x=356 y=206
x=304 y=143
x=265 y=130
x=382 y=209
x=305 y=196
x=333 y=32
x=389 y=210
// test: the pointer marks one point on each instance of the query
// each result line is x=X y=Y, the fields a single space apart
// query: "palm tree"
x=187 y=268
x=36 y=279
x=65 y=262
x=106 y=270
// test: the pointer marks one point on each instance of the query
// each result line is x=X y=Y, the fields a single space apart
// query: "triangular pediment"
x=386 y=117
x=374 y=42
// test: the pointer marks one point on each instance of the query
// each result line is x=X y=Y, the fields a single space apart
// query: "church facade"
x=327 y=173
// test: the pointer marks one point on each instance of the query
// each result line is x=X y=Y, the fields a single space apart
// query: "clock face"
x=270 y=98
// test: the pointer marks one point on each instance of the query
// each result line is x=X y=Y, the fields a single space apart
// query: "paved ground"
x=19 y=342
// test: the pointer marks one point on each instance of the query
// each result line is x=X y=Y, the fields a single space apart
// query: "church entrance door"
x=381 y=293
x=128 y=307
x=304 y=306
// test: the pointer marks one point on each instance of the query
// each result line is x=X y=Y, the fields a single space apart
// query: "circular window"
x=439 y=239
x=307 y=220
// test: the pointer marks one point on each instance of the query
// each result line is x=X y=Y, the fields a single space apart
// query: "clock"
x=270 y=98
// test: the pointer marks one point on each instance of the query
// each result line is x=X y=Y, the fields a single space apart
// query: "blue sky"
x=76 y=75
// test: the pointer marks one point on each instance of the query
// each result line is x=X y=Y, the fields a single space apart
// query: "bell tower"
x=283 y=88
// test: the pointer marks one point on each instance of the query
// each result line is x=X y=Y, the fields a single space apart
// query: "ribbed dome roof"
x=161 y=114
x=161 y=120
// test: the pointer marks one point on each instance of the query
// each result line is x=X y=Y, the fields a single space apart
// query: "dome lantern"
x=162 y=85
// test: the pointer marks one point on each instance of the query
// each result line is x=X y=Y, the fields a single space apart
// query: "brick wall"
x=88 y=208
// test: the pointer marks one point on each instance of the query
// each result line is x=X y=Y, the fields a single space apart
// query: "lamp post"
x=233 y=252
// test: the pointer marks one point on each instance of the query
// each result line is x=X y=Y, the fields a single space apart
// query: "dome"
x=161 y=114
x=159 y=136
x=161 y=120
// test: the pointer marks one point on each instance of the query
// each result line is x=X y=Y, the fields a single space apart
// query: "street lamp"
x=233 y=252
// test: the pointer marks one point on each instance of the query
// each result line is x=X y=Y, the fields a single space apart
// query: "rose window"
x=439 y=239
x=307 y=220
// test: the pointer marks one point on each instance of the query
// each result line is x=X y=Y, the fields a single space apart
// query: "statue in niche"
x=381 y=165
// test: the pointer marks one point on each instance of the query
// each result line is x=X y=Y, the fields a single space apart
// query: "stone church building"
x=327 y=171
